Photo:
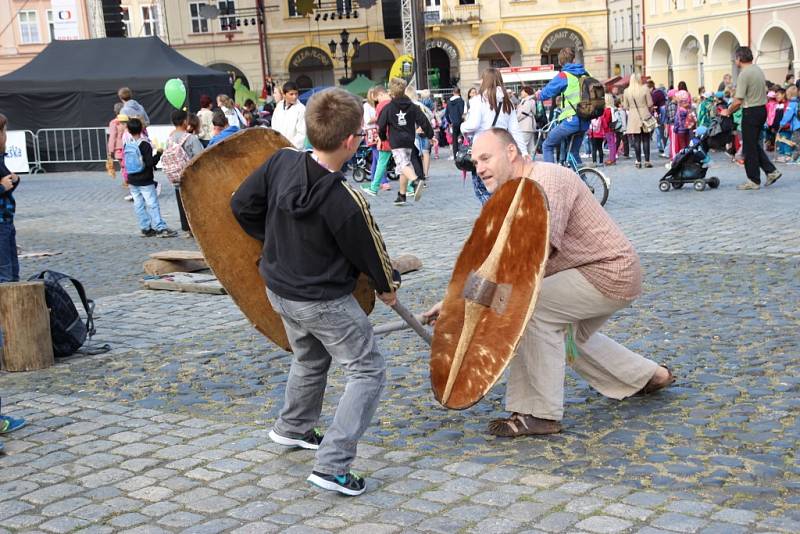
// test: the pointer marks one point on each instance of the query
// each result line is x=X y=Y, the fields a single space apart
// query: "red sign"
x=533 y=68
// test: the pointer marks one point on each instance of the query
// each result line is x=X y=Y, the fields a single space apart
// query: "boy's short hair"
x=397 y=87
x=378 y=90
x=117 y=108
x=135 y=126
x=219 y=119
x=178 y=117
x=289 y=86
x=332 y=116
x=193 y=121
x=125 y=93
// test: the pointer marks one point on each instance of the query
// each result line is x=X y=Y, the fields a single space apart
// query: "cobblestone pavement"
x=168 y=431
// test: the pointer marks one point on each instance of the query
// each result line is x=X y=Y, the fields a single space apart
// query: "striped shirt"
x=584 y=237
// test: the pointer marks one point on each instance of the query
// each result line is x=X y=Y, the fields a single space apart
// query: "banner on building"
x=17 y=152
x=65 y=20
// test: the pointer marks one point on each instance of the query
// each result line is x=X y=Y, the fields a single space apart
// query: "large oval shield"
x=207 y=185
x=505 y=304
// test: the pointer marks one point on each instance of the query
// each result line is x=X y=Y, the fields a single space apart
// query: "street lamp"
x=345 y=46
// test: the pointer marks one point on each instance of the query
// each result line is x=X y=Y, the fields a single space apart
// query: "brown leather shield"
x=491 y=295
x=207 y=185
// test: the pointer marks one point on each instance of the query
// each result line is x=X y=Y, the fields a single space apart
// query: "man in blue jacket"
x=567 y=85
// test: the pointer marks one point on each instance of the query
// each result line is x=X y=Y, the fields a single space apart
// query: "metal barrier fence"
x=33 y=154
x=70 y=145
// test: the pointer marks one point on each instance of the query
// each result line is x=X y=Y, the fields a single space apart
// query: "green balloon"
x=175 y=92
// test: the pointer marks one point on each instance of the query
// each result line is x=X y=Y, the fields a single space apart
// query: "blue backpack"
x=133 y=157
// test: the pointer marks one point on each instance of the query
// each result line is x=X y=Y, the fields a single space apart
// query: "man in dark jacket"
x=455 y=116
x=398 y=122
x=9 y=264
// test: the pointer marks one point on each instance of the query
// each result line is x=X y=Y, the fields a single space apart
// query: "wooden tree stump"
x=25 y=321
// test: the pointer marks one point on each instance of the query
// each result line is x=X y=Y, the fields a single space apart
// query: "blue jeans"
x=480 y=190
x=562 y=132
x=9 y=263
x=145 y=204
x=319 y=333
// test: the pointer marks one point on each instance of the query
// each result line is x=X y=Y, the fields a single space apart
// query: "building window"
x=432 y=5
x=29 y=27
x=199 y=23
x=466 y=2
x=51 y=26
x=151 y=20
x=126 y=20
x=227 y=15
x=638 y=28
x=654 y=7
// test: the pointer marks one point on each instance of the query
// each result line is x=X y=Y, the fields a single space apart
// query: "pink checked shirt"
x=584 y=237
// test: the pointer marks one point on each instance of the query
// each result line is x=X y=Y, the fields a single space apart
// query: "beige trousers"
x=536 y=374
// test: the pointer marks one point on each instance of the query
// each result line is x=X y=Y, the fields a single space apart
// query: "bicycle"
x=597 y=182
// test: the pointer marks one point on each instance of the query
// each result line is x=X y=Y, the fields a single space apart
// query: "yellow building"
x=462 y=36
x=693 y=40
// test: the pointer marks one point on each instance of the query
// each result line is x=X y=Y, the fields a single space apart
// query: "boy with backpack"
x=140 y=162
x=182 y=146
x=318 y=235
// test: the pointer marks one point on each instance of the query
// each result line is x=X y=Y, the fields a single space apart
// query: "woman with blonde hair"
x=639 y=104
x=228 y=107
x=491 y=108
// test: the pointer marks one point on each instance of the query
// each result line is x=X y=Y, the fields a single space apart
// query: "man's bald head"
x=496 y=156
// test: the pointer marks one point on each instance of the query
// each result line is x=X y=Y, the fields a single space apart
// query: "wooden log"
x=157 y=267
x=177 y=255
x=25 y=321
x=406 y=263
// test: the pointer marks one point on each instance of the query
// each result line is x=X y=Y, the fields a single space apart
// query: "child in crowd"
x=398 y=122
x=318 y=235
x=379 y=164
x=221 y=128
x=182 y=146
x=791 y=124
x=611 y=121
x=131 y=107
x=685 y=121
x=597 y=135
x=140 y=162
x=9 y=262
x=622 y=125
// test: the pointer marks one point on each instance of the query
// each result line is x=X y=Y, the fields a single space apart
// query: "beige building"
x=694 y=40
x=462 y=37
x=625 y=36
x=29 y=26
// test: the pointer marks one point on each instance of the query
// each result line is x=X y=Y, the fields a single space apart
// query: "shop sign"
x=574 y=38
x=449 y=49
x=310 y=56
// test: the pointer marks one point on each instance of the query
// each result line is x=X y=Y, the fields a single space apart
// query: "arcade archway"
x=499 y=50
x=442 y=61
x=691 y=63
x=557 y=40
x=232 y=72
x=721 y=58
x=374 y=61
x=776 y=54
x=660 y=65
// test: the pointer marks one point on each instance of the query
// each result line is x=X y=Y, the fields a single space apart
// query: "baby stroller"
x=362 y=165
x=690 y=166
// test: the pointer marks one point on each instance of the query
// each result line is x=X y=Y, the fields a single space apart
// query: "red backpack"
x=175 y=159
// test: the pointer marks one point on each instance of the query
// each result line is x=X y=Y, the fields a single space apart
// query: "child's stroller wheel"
x=677 y=185
x=663 y=186
x=713 y=182
x=699 y=185
x=359 y=174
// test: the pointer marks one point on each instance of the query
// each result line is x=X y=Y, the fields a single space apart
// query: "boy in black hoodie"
x=398 y=122
x=318 y=236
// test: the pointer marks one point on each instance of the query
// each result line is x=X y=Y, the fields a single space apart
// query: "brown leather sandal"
x=652 y=385
x=523 y=425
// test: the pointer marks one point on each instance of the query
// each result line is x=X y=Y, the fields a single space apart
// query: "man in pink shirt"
x=592 y=272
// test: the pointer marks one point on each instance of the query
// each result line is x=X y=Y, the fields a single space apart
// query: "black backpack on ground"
x=67 y=329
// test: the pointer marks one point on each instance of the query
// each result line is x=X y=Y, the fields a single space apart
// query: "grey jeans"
x=319 y=332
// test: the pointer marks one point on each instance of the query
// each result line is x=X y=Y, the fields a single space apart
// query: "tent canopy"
x=74 y=83
x=360 y=86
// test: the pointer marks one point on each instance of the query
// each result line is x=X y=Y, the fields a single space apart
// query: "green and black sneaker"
x=309 y=440
x=349 y=484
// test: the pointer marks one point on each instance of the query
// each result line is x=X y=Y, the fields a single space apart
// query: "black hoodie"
x=402 y=116
x=318 y=232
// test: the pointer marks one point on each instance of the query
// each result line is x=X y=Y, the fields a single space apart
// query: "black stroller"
x=690 y=165
x=362 y=165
